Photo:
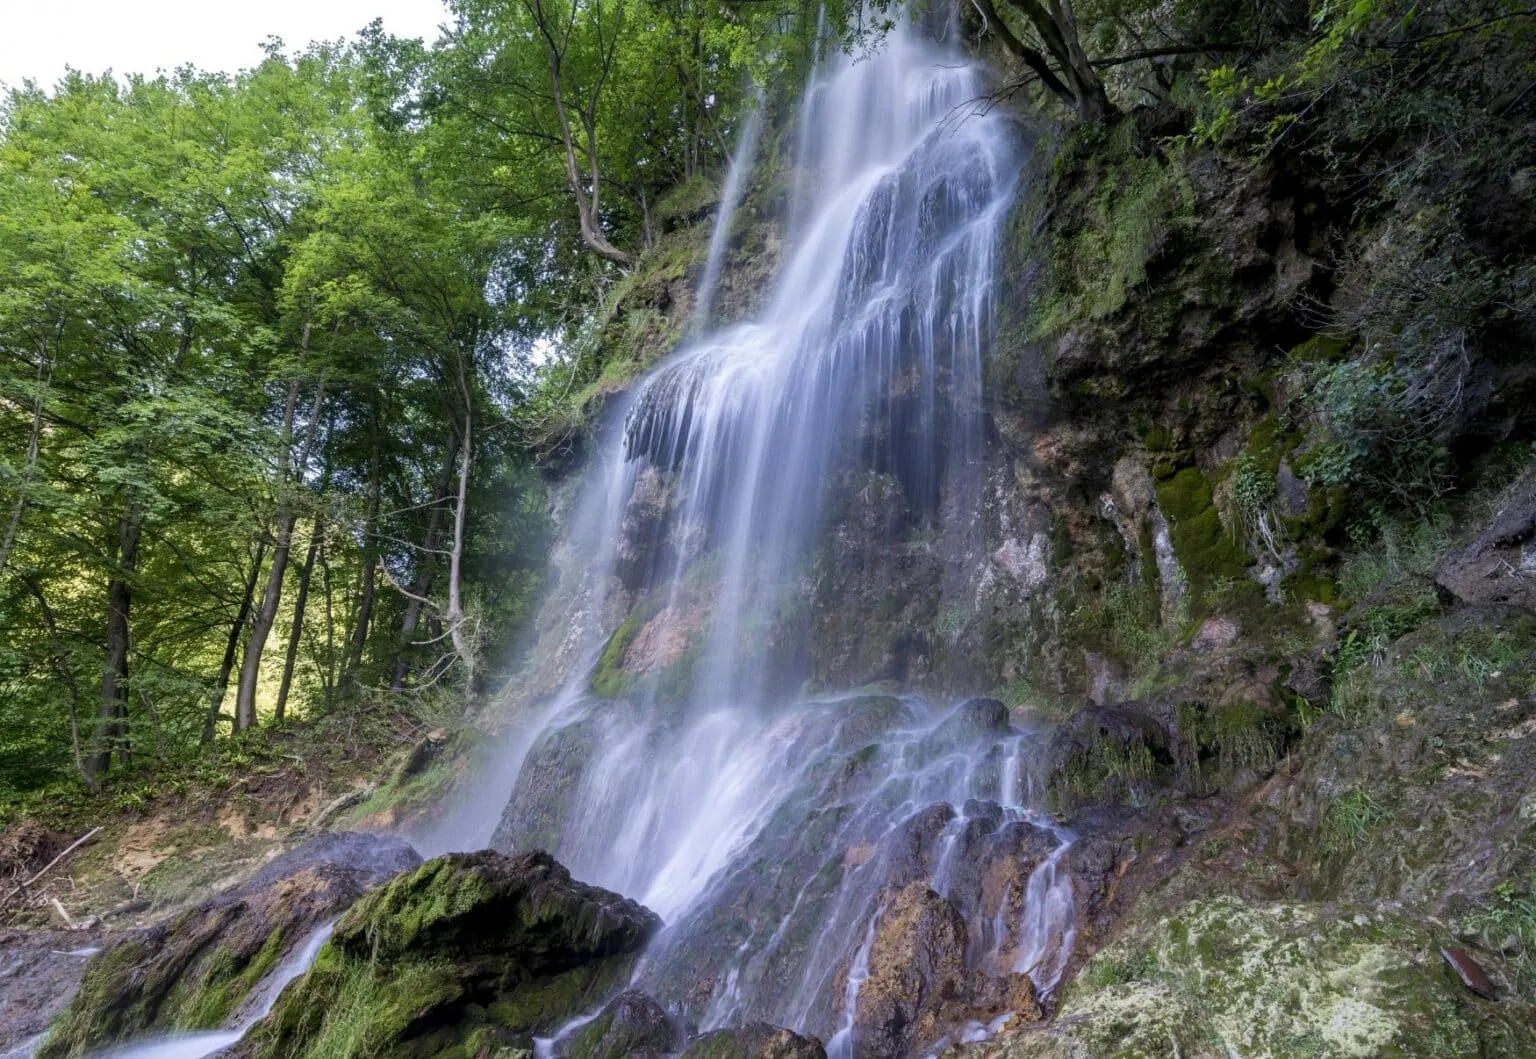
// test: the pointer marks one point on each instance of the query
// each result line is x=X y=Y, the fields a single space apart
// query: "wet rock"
x=39 y=972
x=632 y=1026
x=866 y=717
x=1499 y=565
x=917 y=959
x=194 y=971
x=476 y=947
x=755 y=1040
x=1106 y=754
x=1291 y=493
x=979 y=717
x=368 y=859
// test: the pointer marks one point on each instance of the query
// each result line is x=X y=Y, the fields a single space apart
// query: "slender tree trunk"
x=67 y=675
x=111 y=729
x=330 y=628
x=353 y=661
x=34 y=439
x=421 y=584
x=585 y=187
x=232 y=647
x=282 y=545
x=295 y=634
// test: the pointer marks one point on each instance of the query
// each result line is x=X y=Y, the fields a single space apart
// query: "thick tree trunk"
x=421 y=584
x=295 y=634
x=232 y=647
x=110 y=734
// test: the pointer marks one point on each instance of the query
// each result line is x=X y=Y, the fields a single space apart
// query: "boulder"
x=469 y=953
x=755 y=1040
x=194 y=971
x=632 y=1026
x=920 y=990
x=916 y=960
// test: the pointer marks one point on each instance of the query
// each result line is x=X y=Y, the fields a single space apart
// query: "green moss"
x=1201 y=543
x=609 y=679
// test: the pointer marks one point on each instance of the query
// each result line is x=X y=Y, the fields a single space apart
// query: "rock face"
x=1224 y=977
x=195 y=971
x=919 y=986
x=1499 y=565
x=755 y=1040
x=468 y=954
x=39 y=972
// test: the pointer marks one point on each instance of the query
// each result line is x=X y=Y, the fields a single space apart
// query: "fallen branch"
x=76 y=844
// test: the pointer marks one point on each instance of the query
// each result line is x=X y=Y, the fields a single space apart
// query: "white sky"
x=39 y=38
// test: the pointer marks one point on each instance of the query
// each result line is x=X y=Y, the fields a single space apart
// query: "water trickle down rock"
x=195 y=971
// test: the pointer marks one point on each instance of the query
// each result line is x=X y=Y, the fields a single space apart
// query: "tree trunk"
x=67 y=675
x=282 y=545
x=231 y=646
x=111 y=729
x=421 y=584
x=585 y=187
x=353 y=661
x=455 y=614
x=34 y=439
x=295 y=634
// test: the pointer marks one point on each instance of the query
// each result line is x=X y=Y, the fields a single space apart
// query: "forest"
x=273 y=347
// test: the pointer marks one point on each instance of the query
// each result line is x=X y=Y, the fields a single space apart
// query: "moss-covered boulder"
x=468 y=954
x=1224 y=977
x=755 y=1040
x=632 y=1026
x=196 y=970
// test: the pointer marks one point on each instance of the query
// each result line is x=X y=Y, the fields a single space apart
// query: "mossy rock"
x=466 y=951
x=1223 y=977
x=1203 y=545
x=195 y=971
x=632 y=1026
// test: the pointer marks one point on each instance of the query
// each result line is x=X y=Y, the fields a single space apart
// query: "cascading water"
x=680 y=766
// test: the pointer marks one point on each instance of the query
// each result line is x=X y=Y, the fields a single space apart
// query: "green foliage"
x=1351 y=817
x=1129 y=201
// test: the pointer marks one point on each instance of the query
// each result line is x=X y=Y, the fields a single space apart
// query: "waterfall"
x=680 y=764
x=730 y=198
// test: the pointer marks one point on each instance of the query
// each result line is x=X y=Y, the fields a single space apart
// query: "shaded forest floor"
x=168 y=834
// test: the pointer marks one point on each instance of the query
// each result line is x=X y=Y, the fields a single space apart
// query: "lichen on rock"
x=1225 y=977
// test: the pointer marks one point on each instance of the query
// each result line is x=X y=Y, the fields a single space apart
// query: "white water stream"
x=199 y=1045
